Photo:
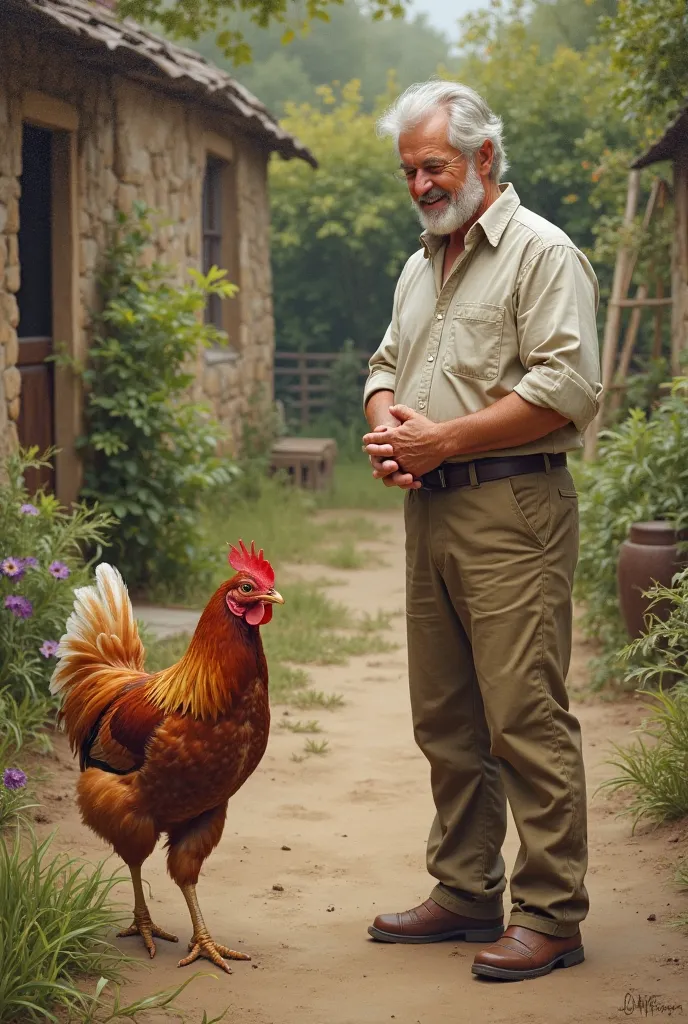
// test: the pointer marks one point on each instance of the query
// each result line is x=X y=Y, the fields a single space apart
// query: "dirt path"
x=355 y=822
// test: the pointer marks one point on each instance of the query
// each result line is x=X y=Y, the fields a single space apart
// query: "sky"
x=444 y=14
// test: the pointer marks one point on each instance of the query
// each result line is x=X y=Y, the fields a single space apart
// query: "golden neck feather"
x=224 y=656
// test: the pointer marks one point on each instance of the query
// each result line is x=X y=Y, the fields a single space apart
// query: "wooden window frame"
x=220 y=149
x=62 y=120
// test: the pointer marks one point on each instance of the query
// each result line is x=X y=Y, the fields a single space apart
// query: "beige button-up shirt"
x=517 y=313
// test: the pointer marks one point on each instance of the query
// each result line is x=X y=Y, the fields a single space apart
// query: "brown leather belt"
x=458 y=474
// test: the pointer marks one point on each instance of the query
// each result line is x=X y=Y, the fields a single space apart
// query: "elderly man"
x=487 y=376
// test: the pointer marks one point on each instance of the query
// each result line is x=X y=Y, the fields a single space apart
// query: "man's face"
x=444 y=185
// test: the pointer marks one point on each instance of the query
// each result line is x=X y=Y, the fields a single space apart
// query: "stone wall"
x=10 y=166
x=136 y=142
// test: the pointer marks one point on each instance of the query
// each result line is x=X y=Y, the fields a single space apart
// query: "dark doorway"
x=36 y=419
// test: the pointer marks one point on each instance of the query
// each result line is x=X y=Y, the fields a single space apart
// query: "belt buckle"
x=433 y=486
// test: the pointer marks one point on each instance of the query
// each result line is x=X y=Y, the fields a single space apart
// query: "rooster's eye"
x=246 y=588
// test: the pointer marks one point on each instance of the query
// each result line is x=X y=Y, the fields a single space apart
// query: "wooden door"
x=36 y=423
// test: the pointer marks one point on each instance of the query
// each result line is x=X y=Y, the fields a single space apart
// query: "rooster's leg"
x=143 y=925
x=201 y=944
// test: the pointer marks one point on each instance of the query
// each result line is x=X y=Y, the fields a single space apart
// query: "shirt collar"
x=492 y=223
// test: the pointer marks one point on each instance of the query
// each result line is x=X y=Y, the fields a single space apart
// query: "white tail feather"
x=101 y=631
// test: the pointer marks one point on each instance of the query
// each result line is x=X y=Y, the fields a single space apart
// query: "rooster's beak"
x=272 y=597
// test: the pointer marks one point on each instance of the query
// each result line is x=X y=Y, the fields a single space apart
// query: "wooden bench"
x=308 y=461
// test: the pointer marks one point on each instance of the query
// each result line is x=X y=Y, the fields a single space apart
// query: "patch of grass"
x=317 y=747
x=53 y=918
x=345 y=556
x=309 y=699
x=55 y=913
x=286 y=682
x=354 y=487
x=309 y=727
x=653 y=770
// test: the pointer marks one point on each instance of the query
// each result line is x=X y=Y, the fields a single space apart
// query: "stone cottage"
x=94 y=114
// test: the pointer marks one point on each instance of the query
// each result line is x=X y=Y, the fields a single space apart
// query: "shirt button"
x=421 y=405
x=440 y=316
x=431 y=359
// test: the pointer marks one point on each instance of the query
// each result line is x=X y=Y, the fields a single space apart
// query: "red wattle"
x=254 y=614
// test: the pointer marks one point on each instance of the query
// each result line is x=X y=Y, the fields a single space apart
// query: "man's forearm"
x=377 y=410
x=508 y=423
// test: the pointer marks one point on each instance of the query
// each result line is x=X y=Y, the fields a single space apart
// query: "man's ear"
x=485 y=158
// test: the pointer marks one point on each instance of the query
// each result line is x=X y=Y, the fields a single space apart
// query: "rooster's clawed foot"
x=144 y=927
x=203 y=946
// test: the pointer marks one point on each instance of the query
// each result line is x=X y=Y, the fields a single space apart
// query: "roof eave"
x=171 y=66
x=674 y=140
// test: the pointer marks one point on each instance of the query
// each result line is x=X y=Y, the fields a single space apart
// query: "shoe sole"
x=474 y=935
x=575 y=956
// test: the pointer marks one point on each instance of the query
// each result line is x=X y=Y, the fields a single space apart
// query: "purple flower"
x=12 y=567
x=29 y=509
x=29 y=562
x=59 y=570
x=14 y=778
x=49 y=648
x=19 y=606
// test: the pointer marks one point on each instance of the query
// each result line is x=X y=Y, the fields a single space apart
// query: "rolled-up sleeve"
x=556 y=302
x=383 y=363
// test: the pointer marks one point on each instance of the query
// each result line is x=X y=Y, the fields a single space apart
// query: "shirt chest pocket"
x=474 y=343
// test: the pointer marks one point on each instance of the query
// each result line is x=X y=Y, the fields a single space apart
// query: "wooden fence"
x=302 y=382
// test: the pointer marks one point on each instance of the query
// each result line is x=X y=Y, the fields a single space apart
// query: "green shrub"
x=150 y=452
x=641 y=474
x=654 y=770
x=42 y=560
x=660 y=656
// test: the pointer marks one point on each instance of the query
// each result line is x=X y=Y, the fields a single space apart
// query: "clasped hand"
x=401 y=454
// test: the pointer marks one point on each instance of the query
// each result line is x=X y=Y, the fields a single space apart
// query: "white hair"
x=470 y=120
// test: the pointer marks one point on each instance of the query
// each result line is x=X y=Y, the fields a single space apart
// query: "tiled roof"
x=176 y=68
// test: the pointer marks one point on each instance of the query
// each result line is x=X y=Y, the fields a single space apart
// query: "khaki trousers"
x=489 y=576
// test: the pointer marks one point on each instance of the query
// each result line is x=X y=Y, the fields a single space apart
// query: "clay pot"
x=650 y=554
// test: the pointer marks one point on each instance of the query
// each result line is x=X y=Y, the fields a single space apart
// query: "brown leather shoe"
x=523 y=953
x=432 y=923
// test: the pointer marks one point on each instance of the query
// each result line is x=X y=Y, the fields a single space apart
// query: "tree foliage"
x=648 y=42
x=227 y=19
x=341 y=234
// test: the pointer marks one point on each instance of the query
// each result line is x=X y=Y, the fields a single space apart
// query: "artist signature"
x=648 y=1006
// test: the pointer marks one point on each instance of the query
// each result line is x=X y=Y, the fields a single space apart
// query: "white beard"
x=461 y=206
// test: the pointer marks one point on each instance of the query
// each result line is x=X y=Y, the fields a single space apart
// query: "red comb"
x=244 y=560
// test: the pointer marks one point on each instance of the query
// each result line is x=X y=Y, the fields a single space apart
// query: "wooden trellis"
x=673 y=146
x=615 y=363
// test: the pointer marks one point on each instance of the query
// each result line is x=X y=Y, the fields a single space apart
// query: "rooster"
x=164 y=752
